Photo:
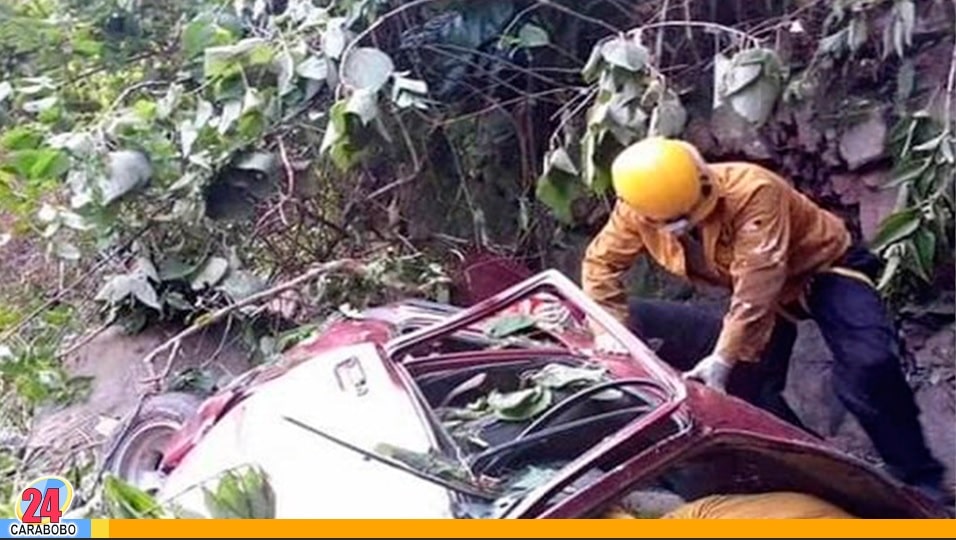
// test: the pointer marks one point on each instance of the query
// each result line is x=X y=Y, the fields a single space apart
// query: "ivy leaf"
x=265 y=164
x=210 y=273
x=531 y=36
x=240 y=284
x=625 y=53
x=173 y=268
x=560 y=159
x=751 y=82
x=222 y=59
x=367 y=68
x=896 y=227
x=127 y=170
x=557 y=186
x=126 y=501
x=286 y=68
x=520 y=405
x=559 y=376
x=313 y=67
x=509 y=325
x=364 y=104
x=231 y=112
x=408 y=92
x=668 y=117
x=6 y=89
x=592 y=68
x=334 y=39
x=144 y=292
x=924 y=242
x=241 y=496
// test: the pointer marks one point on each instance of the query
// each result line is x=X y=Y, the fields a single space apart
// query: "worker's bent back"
x=776 y=505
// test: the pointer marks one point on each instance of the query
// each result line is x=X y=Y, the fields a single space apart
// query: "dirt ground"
x=115 y=361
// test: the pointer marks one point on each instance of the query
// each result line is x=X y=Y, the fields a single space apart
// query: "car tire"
x=138 y=450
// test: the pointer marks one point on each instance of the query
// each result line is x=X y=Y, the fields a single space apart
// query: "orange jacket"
x=763 y=240
x=774 y=505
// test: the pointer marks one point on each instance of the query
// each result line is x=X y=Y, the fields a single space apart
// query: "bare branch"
x=345 y=265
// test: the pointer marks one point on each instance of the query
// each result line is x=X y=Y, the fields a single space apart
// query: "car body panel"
x=302 y=465
x=374 y=399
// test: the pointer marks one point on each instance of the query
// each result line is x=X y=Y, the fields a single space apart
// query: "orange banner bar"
x=643 y=528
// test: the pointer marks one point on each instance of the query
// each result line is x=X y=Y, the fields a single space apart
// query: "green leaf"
x=367 y=68
x=173 y=268
x=265 y=164
x=334 y=39
x=896 y=227
x=38 y=164
x=558 y=376
x=931 y=144
x=520 y=405
x=889 y=272
x=557 y=193
x=313 y=67
x=531 y=36
x=177 y=301
x=221 y=60
x=127 y=170
x=751 y=83
x=907 y=14
x=905 y=81
x=508 y=325
x=924 y=243
x=668 y=117
x=592 y=68
x=625 y=53
x=285 y=65
x=364 y=104
x=125 y=501
x=240 y=284
x=144 y=292
x=408 y=92
x=909 y=171
x=857 y=33
x=241 y=496
x=210 y=273
x=560 y=159
x=21 y=138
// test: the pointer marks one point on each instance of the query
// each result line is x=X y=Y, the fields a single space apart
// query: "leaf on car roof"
x=510 y=324
x=520 y=405
x=560 y=375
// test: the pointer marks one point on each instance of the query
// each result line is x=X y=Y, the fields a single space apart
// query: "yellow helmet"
x=658 y=177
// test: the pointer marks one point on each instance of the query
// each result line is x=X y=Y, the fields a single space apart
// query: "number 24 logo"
x=45 y=499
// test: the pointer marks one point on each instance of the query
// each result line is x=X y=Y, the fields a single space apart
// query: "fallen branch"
x=350 y=266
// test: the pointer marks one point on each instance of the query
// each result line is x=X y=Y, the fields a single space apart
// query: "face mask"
x=677 y=228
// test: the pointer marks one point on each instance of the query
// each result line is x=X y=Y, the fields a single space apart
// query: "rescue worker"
x=744 y=228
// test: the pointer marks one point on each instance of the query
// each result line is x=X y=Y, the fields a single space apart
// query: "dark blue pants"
x=867 y=372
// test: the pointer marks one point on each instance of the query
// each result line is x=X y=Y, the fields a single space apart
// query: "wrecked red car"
x=500 y=410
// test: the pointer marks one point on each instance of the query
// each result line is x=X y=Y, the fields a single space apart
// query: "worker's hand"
x=713 y=371
x=607 y=344
x=548 y=311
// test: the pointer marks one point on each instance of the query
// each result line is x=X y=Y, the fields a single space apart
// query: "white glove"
x=608 y=344
x=713 y=371
x=547 y=311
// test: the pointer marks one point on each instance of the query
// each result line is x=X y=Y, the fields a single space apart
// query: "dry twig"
x=344 y=265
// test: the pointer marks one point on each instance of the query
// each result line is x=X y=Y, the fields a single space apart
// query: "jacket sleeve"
x=608 y=257
x=759 y=270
